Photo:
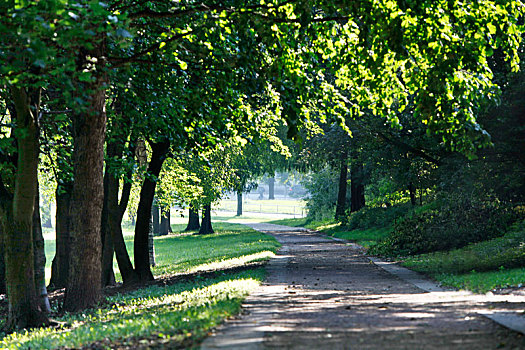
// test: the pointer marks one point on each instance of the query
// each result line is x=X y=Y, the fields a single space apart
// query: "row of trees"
x=88 y=86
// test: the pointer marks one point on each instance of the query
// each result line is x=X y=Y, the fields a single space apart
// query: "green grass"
x=480 y=267
x=284 y=206
x=174 y=316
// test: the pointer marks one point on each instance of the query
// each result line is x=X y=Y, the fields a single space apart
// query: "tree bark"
x=16 y=215
x=141 y=246
x=357 y=187
x=193 y=219
x=60 y=264
x=206 y=226
x=340 y=208
x=108 y=275
x=165 y=222
x=89 y=129
x=412 y=190
x=39 y=257
x=239 y=203
x=155 y=217
x=151 y=244
x=271 y=188
x=3 y=288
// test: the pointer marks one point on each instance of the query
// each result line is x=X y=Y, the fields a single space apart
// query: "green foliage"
x=377 y=217
x=458 y=222
x=322 y=187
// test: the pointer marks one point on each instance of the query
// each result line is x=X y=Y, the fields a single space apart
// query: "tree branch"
x=150 y=49
x=409 y=148
x=203 y=8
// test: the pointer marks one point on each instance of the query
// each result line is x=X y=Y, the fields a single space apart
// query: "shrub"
x=456 y=224
x=377 y=217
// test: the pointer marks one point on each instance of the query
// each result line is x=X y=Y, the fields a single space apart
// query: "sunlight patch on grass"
x=482 y=282
x=162 y=314
x=234 y=262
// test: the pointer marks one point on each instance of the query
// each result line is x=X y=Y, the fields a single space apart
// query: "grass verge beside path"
x=480 y=267
x=174 y=315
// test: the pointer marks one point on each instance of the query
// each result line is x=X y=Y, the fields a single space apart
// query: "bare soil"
x=323 y=294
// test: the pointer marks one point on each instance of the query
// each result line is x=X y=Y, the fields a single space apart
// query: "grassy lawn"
x=284 y=206
x=480 y=267
x=176 y=315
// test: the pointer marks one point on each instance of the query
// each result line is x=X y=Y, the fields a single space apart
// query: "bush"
x=456 y=224
x=377 y=217
x=322 y=187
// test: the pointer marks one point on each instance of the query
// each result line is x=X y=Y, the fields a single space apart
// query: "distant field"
x=277 y=206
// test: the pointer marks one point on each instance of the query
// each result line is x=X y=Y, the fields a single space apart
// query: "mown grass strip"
x=177 y=315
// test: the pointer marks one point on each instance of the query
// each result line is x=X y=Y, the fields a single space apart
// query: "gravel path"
x=322 y=294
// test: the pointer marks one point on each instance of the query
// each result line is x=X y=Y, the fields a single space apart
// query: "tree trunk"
x=357 y=187
x=340 y=208
x=206 y=227
x=271 y=188
x=3 y=288
x=112 y=222
x=89 y=129
x=239 y=203
x=16 y=214
x=151 y=244
x=165 y=222
x=116 y=214
x=412 y=190
x=193 y=219
x=39 y=257
x=155 y=217
x=60 y=264
x=141 y=246
x=108 y=275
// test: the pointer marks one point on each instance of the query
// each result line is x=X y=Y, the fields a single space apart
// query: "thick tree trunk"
x=60 y=264
x=89 y=129
x=16 y=215
x=39 y=257
x=340 y=208
x=141 y=246
x=155 y=217
x=165 y=222
x=151 y=244
x=239 y=203
x=193 y=219
x=3 y=288
x=412 y=190
x=357 y=187
x=206 y=227
x=271 y=188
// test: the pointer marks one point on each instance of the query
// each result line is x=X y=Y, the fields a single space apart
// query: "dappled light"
x=160 y=159
x=165 y=314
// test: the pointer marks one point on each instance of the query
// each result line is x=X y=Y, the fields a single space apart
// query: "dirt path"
x=321 y=294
